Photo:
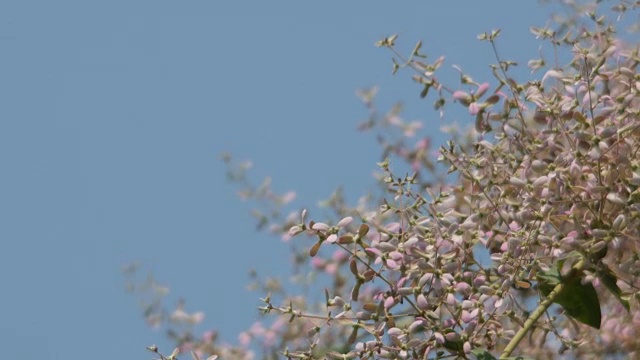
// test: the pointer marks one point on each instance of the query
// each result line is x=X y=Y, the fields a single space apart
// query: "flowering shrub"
x=522 y=240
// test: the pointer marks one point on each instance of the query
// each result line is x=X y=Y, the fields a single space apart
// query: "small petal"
x=422 y=302
x=540 y=181
x=374 y=251
x=288 y=197
x=295 y=230
x=482 y=89
x=389 y=302
x=344 y=222
x=474 y=108
x=391 y=264
x=462 y=96
x=614 y=198
x=517 y=182
x=553 y=74
x=463 y=288
x=320 y=227
x=394 y=331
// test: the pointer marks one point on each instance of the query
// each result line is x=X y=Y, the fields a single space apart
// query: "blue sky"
x=112 y=119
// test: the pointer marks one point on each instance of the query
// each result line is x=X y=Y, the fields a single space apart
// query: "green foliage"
x=580 y=301
x=482 y=354
x=609 y=279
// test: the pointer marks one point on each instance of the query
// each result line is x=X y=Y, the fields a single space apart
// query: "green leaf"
x=395 y=68
x=456 y=345
x=609 y=280
x=580 y=301
x=548 y=280
x=416 y=49
x=425 y=91
x=482 y=354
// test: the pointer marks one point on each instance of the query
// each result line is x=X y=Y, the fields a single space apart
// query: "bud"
x=619 y=223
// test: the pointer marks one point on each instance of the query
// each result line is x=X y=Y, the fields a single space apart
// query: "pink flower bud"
x=481 y=90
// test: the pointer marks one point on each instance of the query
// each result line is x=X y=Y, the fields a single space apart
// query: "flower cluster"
x=533 y=247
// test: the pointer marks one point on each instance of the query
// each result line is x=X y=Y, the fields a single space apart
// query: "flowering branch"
x=538 y=312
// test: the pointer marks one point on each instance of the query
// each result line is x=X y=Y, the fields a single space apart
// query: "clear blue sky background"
x=112 y=117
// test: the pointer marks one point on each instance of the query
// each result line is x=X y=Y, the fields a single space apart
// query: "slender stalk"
x=535 y=315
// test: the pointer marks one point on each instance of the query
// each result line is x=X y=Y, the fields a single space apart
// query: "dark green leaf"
x=548 y=280
x=425 y=91
x=396 y=66
x=609 y=280
x=482 y=354
x=455 y=345
x=580 y=301
x=416 y=49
